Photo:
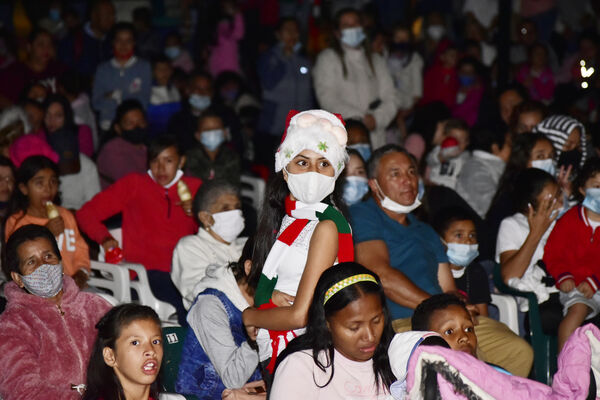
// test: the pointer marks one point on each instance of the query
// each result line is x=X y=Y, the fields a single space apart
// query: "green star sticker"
x=323 y=146
x=288 y=153
x=340 y=164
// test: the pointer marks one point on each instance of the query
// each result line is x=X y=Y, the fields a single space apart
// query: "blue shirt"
x=416 y=249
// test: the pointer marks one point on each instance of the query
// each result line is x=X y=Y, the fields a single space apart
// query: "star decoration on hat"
x=340 y=165
x=323 y=146
x=288 y=153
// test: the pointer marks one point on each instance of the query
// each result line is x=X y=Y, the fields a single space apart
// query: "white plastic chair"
x=113 y=278
x=254 y=189
x=170 y=396
x=166 y=312
x=509 y=313
x=113 y=301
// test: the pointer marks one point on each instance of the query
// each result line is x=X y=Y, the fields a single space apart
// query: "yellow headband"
x=351 y=280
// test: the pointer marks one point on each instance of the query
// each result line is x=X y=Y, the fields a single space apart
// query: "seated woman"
x=521 y=240
x=356 y=183
x=217 y=206
x=47 y=330
x=119 y=367
x=154 y=216
x=216 y=354
x=343 y=353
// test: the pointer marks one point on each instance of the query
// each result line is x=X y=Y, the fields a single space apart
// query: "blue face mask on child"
x=547 y=165
x=355 y=188
x=364 y=149
x=212 y=139
x=462 y=254
x=199 y=102
x=172 y=52
x=592 y=200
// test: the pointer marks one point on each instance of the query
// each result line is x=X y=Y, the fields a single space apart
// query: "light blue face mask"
x=421 y=191
x=172 y=52
x=353 y=36
x=547 y=165
x=462 y=254
x=199 y=102
x=355 y=188
x=364 y=149
x=212 y=139
x=592 y=200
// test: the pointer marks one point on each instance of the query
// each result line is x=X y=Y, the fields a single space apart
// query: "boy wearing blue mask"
x=210 y=158
x=457 y=230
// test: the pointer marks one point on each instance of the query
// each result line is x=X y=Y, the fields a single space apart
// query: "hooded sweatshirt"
x=41 y=352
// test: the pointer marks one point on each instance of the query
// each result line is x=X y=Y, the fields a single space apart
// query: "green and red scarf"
x=302 y=214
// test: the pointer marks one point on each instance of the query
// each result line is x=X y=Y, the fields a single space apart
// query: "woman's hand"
x=56 y=226
x=281 y=299
x=109 y=243
x=81 y=278
x=251 y=331
x=540 y=220
x=563 y=179
x=187 y=207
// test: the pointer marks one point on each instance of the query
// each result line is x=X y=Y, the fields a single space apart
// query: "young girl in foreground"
x=127 y=355
x=343 y=353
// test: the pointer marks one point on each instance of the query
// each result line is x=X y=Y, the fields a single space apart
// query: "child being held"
x=446 y=160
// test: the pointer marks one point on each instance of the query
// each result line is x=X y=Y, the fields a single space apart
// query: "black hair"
x=24 y=95
x=209 y=192
x=197 y=73
x=483 y=139
x=72 y=82
x=377 y=155
x=455 y=123
x=271 y=215
x=102 y=382
x=449 y=215
x=356 y=124
x=26 y=233
x=142 y=14
x=224 y=78
x=160 y=59
x=209 y=113
x=337 y=46
x=529 y=183
x=318 y=337
x=238 y=268
x=38 y=32
x=125 y=107
x=161 y=143
x=520 y=154
x=284 y=20
x=6 y=162
x=516 y=87
x=421 y=318
x=29 y=168
x=122 y=27
x=526 y=106
x=67 y=110
x=589 y=170
x=353 y=152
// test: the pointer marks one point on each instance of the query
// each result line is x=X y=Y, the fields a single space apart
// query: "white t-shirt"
x=445 y=173
x=511 y=236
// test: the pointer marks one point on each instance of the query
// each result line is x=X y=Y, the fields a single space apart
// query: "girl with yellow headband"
x=343 y=353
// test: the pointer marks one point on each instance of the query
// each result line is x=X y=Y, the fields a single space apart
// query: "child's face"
x=542 y=150
x=137 y=355
x=35 y=115
x=208 y=124
x=164 y=167
x=131 y=120
x=357 y=328
x=449 y=58
x=41 y=188
x=593 y=182
x=162 y=73
x=461 y=232
x=456 y=327
x=462 y=136
x=528 y=120
x=55 y=117
x=573 y=141
x=356 y=167
x=357 y=135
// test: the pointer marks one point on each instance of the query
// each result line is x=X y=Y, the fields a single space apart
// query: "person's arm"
x=91 y=186
x=374 y=255
x=445 y=278
x=322 y=253
x=188 y=266
x=210 y=322
x=82 y=252
x=417 y=78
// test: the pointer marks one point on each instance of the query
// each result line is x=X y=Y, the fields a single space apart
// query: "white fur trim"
x=316 y=130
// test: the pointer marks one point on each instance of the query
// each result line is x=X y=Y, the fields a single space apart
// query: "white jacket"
x=351 y=95
x=192 y=256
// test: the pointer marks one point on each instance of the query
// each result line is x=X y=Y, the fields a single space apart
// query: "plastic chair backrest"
x=113 y=278
x=173 y=338
x=254 y=189
x=509 y=313
x=113 y=301
x=545 y=347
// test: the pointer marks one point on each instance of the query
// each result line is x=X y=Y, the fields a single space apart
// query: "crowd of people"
x=408 y=149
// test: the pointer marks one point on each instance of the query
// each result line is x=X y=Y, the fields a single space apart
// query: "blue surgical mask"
x=592 y=200
x=466 y=80
x=547 y=165
x=364 y=149
x=421 y=192
x=355 y=188
x=212 y=139
x=462 y=254
x=172 y=52
x=353 y=37
x=199 y=102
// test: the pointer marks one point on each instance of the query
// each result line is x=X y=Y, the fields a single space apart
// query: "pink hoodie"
x=41 y=352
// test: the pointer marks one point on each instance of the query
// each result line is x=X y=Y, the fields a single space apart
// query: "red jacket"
x=440 y=84
x=573 y=249
x=153 y=221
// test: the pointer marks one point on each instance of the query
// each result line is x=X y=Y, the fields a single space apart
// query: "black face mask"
x=135 y=135
x=571 y=157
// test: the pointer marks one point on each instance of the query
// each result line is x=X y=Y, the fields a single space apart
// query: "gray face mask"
x=46 y=281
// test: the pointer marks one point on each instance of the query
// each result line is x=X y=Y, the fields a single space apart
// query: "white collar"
x=486 y=155
x=128 y=64
x=178 y=176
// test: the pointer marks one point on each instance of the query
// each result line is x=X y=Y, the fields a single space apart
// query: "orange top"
x=73 y=249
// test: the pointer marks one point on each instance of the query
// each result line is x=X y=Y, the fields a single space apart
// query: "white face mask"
x=310 y=187
x=352 y=37
x=462 y=255
x=391 y=205
x=545 y=165
x=228 y=224
x=436 y=32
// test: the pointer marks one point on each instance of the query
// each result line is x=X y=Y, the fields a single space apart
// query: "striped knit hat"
x=557 y=128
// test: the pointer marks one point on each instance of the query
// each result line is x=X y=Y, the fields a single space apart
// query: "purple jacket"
x=41 y=352
x=571 y=381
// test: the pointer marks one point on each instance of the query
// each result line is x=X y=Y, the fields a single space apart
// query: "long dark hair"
x=528 y=186
x=102 y=382
x=67 y=110
x=31 y=166
x=271 y=215
x=318 y=338
x=336 y=45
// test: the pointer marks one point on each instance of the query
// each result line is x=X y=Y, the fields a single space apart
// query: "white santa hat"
x=316 y=130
